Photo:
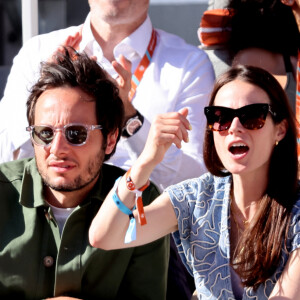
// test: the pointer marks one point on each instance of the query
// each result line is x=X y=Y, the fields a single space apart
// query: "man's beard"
x=92 y=171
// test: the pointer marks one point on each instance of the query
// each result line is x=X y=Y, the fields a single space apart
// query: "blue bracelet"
x=131 y=231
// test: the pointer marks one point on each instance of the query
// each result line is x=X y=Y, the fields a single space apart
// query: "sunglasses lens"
x=42 y=135
x=218 y=118
x=76 y=134
x=253 y=116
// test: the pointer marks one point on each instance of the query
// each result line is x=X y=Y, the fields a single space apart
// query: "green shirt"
x=36 y=262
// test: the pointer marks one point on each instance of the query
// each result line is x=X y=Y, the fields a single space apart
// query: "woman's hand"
x=166 y=129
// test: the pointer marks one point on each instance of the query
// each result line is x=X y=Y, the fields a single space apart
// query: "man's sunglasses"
x=252 y=116
x=75 y=134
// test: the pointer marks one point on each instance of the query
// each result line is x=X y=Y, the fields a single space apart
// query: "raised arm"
x=109 y=227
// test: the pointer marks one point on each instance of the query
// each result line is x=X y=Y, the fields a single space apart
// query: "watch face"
x=133 y=126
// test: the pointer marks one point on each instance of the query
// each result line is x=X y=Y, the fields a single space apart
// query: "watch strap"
x=137 y=116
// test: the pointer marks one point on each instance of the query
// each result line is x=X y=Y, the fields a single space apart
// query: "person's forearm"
x=112 y=219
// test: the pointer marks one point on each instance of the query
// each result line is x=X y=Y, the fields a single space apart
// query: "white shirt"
x=179 y=75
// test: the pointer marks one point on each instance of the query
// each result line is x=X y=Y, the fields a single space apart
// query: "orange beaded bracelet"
x=138 y=199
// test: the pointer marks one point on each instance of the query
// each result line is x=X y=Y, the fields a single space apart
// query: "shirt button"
x=48 y=261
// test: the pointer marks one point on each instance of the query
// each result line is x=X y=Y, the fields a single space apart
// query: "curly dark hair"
x=73 y=69
x=260 y=249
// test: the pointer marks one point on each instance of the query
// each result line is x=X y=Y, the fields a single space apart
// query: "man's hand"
x=123 y=68
x=71 y=41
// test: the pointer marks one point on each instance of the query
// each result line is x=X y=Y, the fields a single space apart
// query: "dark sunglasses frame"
x=252 y=116
x=38 y=140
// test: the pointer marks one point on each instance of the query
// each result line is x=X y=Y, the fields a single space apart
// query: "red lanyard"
x=143 y=65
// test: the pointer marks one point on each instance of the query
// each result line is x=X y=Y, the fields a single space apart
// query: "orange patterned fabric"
x=215 y=26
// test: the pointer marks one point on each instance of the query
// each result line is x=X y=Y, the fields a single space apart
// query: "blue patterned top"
x=202 y=207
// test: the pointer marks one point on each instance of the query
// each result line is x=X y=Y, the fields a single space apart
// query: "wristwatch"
x=133 y=125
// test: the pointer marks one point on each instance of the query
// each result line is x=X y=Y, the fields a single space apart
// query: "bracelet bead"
x=138 y=197
x=131 y=186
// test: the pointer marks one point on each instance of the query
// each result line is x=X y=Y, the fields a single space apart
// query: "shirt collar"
x=31 y=194
x=87 y=34
x=136 y=43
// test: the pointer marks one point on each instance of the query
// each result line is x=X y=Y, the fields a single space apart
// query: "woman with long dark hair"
x=237 y=228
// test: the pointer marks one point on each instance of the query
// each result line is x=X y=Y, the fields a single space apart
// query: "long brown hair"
x=259 y=251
